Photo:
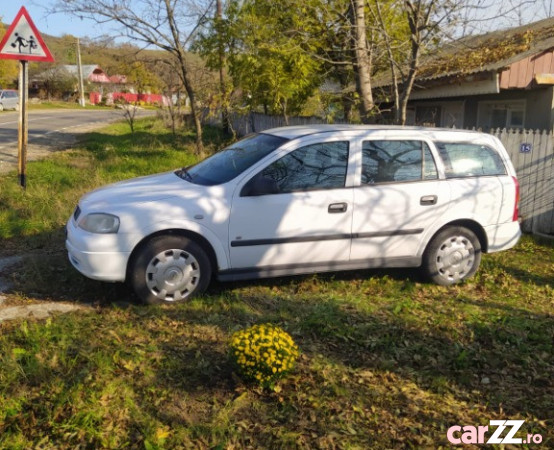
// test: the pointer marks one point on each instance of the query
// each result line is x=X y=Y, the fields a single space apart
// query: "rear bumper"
x=502 y=236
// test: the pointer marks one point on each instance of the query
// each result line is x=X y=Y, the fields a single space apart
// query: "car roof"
x=297 y=131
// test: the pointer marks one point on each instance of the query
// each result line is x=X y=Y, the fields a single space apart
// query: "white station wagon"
x=299 y=200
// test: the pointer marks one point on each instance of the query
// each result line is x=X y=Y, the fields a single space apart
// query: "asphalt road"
x=50 y=131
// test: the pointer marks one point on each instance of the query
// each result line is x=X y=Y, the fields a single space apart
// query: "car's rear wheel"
x=170 y=269
x=452 y=256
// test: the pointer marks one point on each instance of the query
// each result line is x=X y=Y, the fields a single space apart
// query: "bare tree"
x=129 y=112
x=429 y=22
x=166 y=24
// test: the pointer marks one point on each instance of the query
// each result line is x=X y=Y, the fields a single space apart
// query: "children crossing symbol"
x=23 y=41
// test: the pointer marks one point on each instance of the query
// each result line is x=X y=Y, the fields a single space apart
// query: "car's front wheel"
x=170 y=269
x=453 y=255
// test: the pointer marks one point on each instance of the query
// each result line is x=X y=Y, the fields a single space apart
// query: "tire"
x=1 y=107
x=453 y=255
x=170 y=269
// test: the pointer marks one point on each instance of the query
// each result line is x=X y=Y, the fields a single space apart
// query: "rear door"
x=399 y=199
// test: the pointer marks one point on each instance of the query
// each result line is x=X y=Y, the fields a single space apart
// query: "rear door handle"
x=427 y=200
x=337 y=208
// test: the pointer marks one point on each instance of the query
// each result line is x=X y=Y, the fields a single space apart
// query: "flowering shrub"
x=263 y=353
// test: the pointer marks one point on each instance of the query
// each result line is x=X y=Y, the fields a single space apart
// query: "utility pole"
x=80 y=70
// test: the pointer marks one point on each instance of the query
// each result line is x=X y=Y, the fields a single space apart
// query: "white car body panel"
x=298 y=224
x=392 y=226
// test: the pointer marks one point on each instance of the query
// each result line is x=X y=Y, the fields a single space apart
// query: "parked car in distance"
x=304 y=199
x=9 y=99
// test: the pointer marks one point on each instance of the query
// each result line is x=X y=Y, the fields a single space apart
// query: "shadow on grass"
x=527 y=276
x=506 y=364
x=491 y=361
x=505 y=356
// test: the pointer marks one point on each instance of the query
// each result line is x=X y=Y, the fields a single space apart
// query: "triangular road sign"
x=23 y=41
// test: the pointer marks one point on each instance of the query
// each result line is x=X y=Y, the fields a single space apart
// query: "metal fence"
x=532 y=153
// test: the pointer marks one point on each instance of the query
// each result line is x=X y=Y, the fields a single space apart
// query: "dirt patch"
x=5 y=264
x=35 y=310
x=44 y=146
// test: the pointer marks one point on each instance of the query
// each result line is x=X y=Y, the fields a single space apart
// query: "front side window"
x=470 y=160
x=232 y=161
x=397 y=161
x=317 y=166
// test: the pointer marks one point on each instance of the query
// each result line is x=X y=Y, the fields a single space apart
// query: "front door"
x=295 y=212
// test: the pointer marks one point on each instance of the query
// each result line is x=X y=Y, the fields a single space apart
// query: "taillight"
x=516 y=203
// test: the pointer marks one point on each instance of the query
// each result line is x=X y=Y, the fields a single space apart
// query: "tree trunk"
x=362 y=59
x=225 y=121
x=192 y=98
x=347 y=108
x=419 y=16
x=396 y=109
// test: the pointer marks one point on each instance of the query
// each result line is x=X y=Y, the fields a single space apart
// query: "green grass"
x=37 y=215
x=387 y=361
x=62 y=105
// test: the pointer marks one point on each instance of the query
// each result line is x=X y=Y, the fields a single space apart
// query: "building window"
x=502 y=114
x=428 y=116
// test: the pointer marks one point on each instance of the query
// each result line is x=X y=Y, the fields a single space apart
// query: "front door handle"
x=337 y=208
x=427 y=200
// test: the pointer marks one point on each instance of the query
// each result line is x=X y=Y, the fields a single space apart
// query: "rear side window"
x=397 y=161
x=470 y=160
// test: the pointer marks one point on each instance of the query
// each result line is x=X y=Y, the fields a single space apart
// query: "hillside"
x=120 y=59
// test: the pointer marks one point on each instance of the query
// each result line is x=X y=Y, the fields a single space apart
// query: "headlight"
x=99 y=223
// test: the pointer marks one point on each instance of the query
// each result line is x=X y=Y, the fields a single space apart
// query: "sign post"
x=23 y=42
x=23 y=123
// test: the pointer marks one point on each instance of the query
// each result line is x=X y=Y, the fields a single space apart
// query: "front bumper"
x=99 y=266
x=98 y=256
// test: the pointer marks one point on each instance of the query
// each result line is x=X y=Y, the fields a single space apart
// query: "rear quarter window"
x=470 y=160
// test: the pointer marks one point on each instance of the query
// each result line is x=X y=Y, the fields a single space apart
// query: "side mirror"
x=259 y=185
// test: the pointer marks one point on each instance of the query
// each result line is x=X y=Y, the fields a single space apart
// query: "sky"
x=60 y=24
x=55 y=24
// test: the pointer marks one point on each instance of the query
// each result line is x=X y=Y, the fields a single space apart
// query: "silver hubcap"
x=455 y=258
x=172 y=275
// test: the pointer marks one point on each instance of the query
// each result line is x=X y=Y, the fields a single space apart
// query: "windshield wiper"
x=184 y=174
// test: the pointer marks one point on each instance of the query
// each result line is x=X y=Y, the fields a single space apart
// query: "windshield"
x=231 y=161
